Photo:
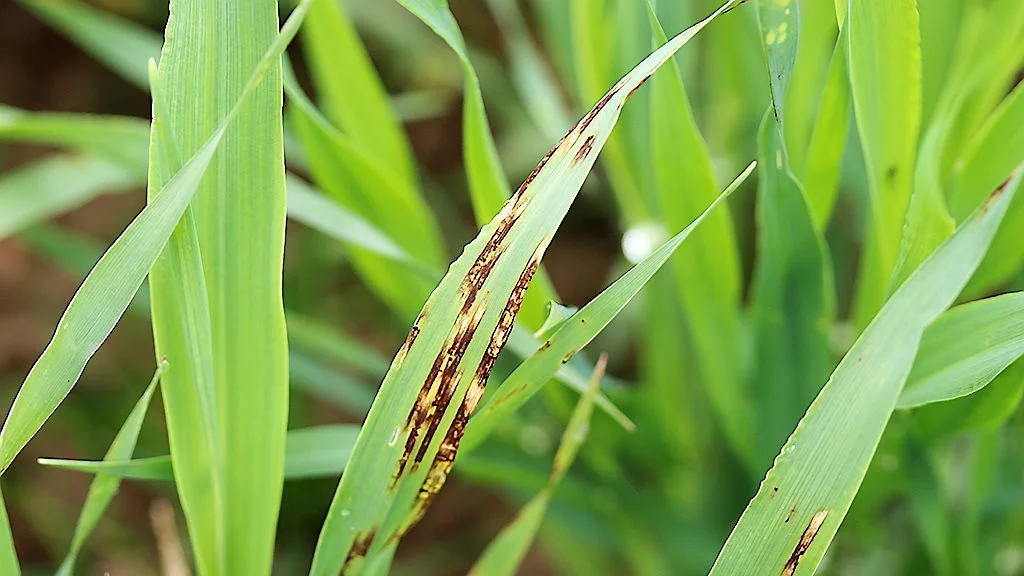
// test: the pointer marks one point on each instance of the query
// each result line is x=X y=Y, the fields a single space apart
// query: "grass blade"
x=805 y=496
x=965 y=349
x=411 y=435
x=307 y=206
x=223 y=277
x=103 y=488
x=505 y=553
x=123 y=47
x=8 y=556
x=352 y=95
x=686 y=184
x=368 y=187
x=317 y=452
x=885 y=76
x=793 y=294
x=821 y=171
x=55 y=185
x=115 y=138
x=488 y=185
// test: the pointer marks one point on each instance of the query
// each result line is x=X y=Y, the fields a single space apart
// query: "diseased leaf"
x=574 y=333
x=412 y=433
x=805 y=496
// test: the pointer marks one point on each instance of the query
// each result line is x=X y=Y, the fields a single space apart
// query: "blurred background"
x=624 y=478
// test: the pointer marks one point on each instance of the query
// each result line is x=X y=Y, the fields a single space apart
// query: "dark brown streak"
x=584 y=151
x=450 y=356
x=638 y=86
x=805 y=542
x=359 y=548
x=445 y=458
x=594 y=112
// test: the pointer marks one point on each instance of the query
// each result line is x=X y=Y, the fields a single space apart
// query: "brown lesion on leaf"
x=431 y=403
x=996 y=194
x=441 y=467
x=414 y=333
x=358 y=550
x=584 y=150
x=638 y=86
x=805 y=542
x=582 y=126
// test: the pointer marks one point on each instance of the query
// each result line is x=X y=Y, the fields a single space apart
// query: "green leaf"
x=352 y=95
x=115 y=138
x=885 y=76
x=317 y=452
x=311 y=208
x=125 y=48
x=488 y=185
x=793 y=296
x=54 y=185
x=98 y=304
x=505 y=553
x=805 y=496
x=821 y=171
x=103 y=488
x=533 y=80
x=368 y=187
x=322 y=338
x=216 y=293
x=412 y=433
x=594 y=40
x=8 y=556
x=686 y=184
x=965 y=349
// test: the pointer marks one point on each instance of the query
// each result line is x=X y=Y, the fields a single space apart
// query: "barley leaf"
x=505 y=553
x=103 y=488
x=411 y=435
x=805 y=496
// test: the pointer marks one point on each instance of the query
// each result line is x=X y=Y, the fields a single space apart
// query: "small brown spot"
x=891 y=172
x=790 y=515
x=567 y=357
x=805 y=542
x=359 y=548
x=584 y=151
x=544 y=346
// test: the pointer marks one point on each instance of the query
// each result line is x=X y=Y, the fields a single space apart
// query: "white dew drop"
x=394 y=437
x=344 y=513
x=639 y=241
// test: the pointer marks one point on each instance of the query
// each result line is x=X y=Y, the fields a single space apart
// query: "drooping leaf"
x=805 y=496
